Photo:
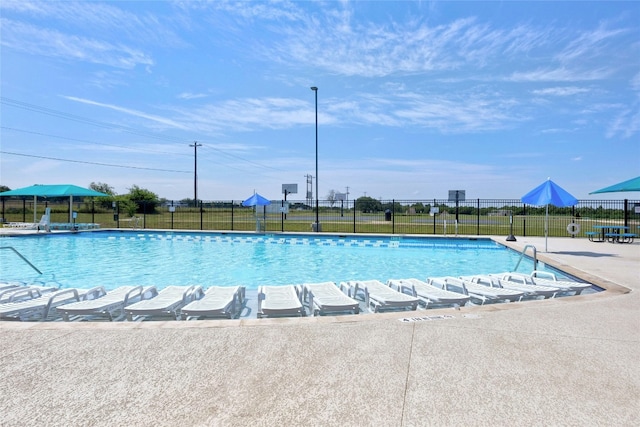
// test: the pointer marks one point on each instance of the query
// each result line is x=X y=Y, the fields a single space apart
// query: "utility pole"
x=309 y=190
x=195 y=146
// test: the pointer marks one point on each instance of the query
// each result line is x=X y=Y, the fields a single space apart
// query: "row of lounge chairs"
x=326 y=298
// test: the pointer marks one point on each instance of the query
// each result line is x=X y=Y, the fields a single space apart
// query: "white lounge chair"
x=274 y=301
x=24 y=292
x=547 y=278
x=489 y=293
x=326 y=298
x=218 y=301
x=531 y=291
x=41 y=308
x=427 y=294
x=565 y=286
x=166 y=302
x=478 y=292
x=106 y=303
x=10 y=285
x=379 y=296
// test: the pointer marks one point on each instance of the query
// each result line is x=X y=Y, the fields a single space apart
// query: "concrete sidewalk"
x=567 y=361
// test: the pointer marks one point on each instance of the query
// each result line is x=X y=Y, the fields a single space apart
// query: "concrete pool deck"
x=567 y=361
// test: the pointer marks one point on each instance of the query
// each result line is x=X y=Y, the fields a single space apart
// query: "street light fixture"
x=317 y=227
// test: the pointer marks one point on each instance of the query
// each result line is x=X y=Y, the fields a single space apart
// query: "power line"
x=93 y=163
x=80 y=119
x=91 y=142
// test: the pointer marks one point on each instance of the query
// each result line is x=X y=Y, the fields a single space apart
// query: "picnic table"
x=611 y=234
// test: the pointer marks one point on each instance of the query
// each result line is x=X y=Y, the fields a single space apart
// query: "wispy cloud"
x=102 y=19
x=189 y=95
x=154 y=118
x=625 y=124
x=560 y=74
x=560 y=91
x=247 y=114
x=589 y=44
x=53 y=43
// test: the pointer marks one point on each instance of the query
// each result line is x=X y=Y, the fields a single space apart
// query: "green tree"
x=126 y=205
x=368 y=204
x=419 y=207
x=145 y=200
x=103 y=202
x=103 y=188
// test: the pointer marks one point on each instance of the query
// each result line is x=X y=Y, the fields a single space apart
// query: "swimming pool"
x=116 y=258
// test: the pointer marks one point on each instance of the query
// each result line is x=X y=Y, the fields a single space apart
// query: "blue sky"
x=414 y=98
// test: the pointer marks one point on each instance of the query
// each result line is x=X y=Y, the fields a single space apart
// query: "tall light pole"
x=315 y=90
x=195 y=146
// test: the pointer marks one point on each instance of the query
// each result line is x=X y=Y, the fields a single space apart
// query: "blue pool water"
x=114 y=258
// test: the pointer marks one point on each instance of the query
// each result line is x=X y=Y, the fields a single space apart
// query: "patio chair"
x=218 y=301
x=530 y=291
x=42 y=307
x=379 y=296
x=106 y=303
x=24 y=292
x=278 y=301
x=327 y=298
x=427 y=294
x=166 y=302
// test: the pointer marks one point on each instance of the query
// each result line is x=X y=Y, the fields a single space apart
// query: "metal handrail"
x=21 y=256
x=535 y=257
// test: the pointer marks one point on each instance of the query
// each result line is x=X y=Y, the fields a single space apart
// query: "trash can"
x=387 y=215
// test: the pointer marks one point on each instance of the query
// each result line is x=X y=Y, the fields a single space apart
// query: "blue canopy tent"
x=549 y=193
x=57 y=190
x=632 y=184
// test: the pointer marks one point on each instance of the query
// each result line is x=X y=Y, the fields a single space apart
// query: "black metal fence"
x=435 y=216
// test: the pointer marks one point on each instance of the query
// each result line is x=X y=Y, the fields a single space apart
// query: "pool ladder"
x=21 y=256
x=522 y=254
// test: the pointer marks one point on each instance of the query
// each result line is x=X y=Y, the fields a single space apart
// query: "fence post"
x=144 y=215
x=524 y=219
x=478 y=220
x=393 y=216
x=434 y=217
x=354 y=216
x=232 y=206
x=626 y=213
x=201 y=212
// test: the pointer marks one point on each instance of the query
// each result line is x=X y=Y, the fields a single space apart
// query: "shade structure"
x=632 y=184
x=57 y=190
x=54 y=190
x=256 y=200
x=548 y=193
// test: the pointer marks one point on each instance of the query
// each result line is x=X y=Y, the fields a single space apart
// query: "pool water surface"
x=116 y=258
